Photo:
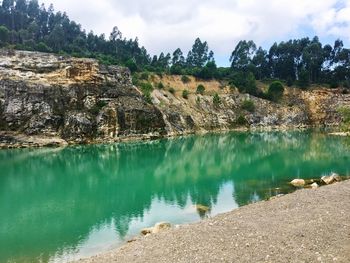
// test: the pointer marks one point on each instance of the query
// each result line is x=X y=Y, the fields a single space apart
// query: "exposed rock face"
x=79 y=101
x=76 y=99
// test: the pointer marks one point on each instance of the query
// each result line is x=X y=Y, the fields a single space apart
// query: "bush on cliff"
x=200 y=89
x=248 y=105
x=275 y=92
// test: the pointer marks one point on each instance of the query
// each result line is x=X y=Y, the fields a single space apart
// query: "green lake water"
x=58 y=205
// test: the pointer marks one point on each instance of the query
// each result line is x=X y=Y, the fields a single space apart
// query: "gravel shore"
x=311 y=225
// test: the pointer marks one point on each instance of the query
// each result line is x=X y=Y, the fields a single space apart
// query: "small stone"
x=298 y=182
x=314 y=186
x=146 y=231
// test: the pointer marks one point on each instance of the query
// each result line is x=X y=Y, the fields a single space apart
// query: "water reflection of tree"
x=63 y=195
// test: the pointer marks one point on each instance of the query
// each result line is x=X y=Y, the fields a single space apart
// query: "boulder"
x=298 y=182
x=331 y=178
x=159 y=227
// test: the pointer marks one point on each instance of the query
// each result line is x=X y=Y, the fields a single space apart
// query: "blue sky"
x=165 y=25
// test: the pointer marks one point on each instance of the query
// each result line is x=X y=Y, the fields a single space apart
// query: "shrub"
x=241 y=120
x=289 y=82
x=248 y=105
x=42 y=47
x=160 y=85
x=334 y=85
x=346 y=84
x=245 y=82
x=97 y=107
x=144 y=76
x=275 y=91
x=185 y=79
x=131 y=64
x=148 y=98
x=216 y=99
x=135 y=80
x=345 y=113
x=185 y=94
x=146 y=89
x=172 y=90
x=200 y=89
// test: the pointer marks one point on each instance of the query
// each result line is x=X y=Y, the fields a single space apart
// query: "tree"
x=242 y=55
x=198 y=55
x=4 y=35
x=261 y=64
x=56 y=38
x=178 y=58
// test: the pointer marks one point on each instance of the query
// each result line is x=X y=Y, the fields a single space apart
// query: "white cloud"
x=165 y=25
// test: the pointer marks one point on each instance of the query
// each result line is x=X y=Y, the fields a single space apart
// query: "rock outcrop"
x=80 y=101
x=75 y=99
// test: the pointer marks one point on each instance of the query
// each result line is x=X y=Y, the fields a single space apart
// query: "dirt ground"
x=311 y=225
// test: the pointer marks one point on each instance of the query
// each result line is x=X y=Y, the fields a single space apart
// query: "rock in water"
x=202 y=208
x=298 y=182
x=331 y=178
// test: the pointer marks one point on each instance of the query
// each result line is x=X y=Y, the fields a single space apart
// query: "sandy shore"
x=310 y=225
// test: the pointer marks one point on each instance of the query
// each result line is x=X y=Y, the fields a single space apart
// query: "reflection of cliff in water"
x=64 y=194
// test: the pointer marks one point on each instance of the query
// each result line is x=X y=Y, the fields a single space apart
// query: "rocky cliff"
x=49 y=99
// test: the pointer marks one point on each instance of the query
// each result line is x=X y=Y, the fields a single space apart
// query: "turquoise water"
x=62 y=204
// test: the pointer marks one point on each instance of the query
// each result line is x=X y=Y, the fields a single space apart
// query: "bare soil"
x=310 y=225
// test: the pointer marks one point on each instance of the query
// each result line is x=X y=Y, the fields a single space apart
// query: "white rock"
x=298 y=182
x=331 y=178
x=156 y=229
x=314 y=186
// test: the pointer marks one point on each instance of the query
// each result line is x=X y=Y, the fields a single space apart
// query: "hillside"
x=81 y=101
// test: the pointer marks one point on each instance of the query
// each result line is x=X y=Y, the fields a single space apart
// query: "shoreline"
x=14 y=140
x=308 y=225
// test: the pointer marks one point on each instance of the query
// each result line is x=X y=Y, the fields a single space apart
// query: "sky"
x=166 y=25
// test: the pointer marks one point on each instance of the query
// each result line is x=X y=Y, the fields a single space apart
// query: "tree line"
x=29 y=26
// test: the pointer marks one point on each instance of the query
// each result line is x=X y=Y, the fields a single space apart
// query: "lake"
x=62 y=204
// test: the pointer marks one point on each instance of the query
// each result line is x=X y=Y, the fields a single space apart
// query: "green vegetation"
x=147 y=89
x=200 y=89
x=241 y=120
x=216 y=99
x=27 y=25
x=275 y=91
x=172 y=90
x=160 y=85
x=185 y=94
x=345 y=113
x=185 y=79
x=248 y=105
x=97 y=107
x=144 y=76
